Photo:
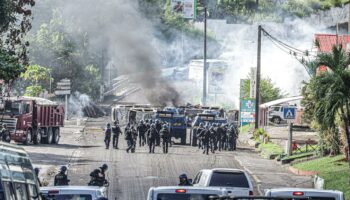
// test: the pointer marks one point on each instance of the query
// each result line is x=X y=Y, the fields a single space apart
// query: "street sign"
x=62 y=92
x=289 y=112
x=63 y=87
x=63 y=83
x=247 y=110
x=185 y=8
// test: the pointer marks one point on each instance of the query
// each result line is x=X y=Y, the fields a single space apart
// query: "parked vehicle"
x=276 y=113
x=73 y=192
x=184 y=193
x=235 y=181
x=305 y=193
x=18 y=180
x=32 y=120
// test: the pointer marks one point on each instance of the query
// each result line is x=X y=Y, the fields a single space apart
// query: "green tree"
x=15 y=22
x=331 y=91
x=36 y=75
x=268 y=91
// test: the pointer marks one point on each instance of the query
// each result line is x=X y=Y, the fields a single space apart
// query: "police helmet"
x=63 y=169
x=104 y=166
x=153 y=125
x=115 y=122
x=141 y=121
x=157 y=121
x=201 y=124
x=183 y=176
x=108 y=125
x=36 y=170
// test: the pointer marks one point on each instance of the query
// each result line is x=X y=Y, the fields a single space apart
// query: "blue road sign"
x=289 y=112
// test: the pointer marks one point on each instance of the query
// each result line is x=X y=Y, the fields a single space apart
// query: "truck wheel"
x=56 y=136
x=49 y=136
x=37 y=138
x=276 y=120
x=183 y=140
x=28 y=137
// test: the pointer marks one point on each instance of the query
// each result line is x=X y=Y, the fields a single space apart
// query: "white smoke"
x=76 y=103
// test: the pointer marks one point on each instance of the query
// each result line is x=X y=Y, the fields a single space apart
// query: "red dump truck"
x=32 y=120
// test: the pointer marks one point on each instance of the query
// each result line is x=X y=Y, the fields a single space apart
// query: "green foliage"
x=259 y=132
x=268 y=91
x=10 y=67
x=333 y=169
x=34 y=90
x=36 y=76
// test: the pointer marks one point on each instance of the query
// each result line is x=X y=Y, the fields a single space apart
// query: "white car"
x=73 y=192
x=305 y=192
x=235 y=181
x=184 y=193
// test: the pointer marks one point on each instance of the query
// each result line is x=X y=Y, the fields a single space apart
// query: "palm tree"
x=331 y=91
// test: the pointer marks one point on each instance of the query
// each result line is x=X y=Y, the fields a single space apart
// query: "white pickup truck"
x=184 y=193
x=305 y=193
x=73 y=192
x=235 y=181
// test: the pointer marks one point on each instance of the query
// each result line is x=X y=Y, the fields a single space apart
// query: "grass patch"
x=332 y=169
x=270 y=149
x=245 y=129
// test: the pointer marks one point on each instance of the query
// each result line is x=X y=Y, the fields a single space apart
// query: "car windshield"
x=185 y=196
x=229 y=179
x=12 y=107
x=68 y=197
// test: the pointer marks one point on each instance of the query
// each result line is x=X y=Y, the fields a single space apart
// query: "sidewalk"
x=267 y=173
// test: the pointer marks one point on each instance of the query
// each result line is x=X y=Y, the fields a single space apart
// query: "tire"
x=56 y=135
x=49 y=136
x=183 y=140
x=37 y=138
x=276 y=120
x=29 y=137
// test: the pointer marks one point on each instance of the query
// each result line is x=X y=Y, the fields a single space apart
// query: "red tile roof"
x=327 y=41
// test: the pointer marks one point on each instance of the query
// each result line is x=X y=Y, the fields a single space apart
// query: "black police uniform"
x=61 y=179
x=152 y=137
x=142 y=129
x=116 y=132
x=108 y=133
x=165 y=135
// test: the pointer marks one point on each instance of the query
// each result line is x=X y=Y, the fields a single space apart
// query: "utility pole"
x=257 y=90
x=349 y=19
x=205 y=58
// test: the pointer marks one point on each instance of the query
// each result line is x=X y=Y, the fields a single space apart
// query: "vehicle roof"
x=225 y=170
x=188 y=188
x=303 y=190
x=69 y=187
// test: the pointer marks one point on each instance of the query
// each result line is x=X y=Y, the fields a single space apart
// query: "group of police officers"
x=216 y=137
x=211 y=137
x=147 y=132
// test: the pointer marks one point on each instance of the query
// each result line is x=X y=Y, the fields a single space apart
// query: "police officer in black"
x=158 y=127
x=5 y=133
x=183 y=180
x=116 y=132
x=61 y=178
x=213 y=139
x=199 y=135
x=152 y=137
x=206 y=139
x=165 y=136
x=108 y=134
x=221 y=134
x=134 y=139
x=129 y=139
x=141 y=129
x=98 y=176
x=37 y=171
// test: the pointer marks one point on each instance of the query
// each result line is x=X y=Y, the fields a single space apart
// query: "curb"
x=302 y=172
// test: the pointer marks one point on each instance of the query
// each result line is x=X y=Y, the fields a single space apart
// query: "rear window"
x=185 y=196
x=229 y=179
x=69 y=197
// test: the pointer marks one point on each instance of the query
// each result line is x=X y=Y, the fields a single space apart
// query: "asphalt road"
x=131 y=175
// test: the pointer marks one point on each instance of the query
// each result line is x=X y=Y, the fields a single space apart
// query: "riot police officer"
x=199 y=135
x=221 y=134
x=61 y=178
x=108 y=133
x=158 y=127
x=165 y=136
x=213 y=138
x=183 y=180
x=98 y=176
x=141 y=129
x=206 y=139
x=129 y=139
x=152 y=137
x=37 y=171
x=116 y=132
x=5 y=134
